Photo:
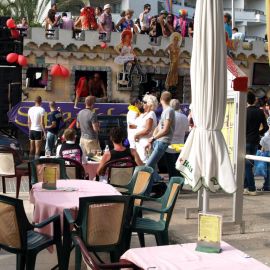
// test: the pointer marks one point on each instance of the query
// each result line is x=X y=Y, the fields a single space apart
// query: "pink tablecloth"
x=91 y=168
x=183 y=257
x=50 y=202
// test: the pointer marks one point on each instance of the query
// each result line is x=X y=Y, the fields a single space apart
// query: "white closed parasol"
x=204 y=160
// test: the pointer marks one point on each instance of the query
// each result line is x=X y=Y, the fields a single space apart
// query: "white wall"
x=137 y=6
x=255 y=4
x=256 y=30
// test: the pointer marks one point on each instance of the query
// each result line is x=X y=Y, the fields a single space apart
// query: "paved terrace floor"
x=255 y=242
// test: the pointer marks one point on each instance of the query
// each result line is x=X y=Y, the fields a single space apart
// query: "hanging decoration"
x=15 y=34
x=60 y=71
x=65 y=71
x=22 y=60
x=12 y=57
x=103 y=45
x=10 y=23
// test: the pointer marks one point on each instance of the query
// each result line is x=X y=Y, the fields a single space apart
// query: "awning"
x=239 y=80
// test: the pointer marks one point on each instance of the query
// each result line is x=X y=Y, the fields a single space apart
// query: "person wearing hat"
x=106 y=23
x=181 y=24
x=162 y=21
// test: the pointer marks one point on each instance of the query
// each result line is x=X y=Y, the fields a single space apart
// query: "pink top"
x=67 y=23
x=183 y=257
x=50 y=202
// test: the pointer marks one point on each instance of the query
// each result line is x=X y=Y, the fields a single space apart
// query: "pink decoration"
x=12 y=57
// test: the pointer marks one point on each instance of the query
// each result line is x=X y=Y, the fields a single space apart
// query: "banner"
x=19 y=113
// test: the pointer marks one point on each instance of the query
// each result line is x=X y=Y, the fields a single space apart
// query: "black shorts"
x=35 y=135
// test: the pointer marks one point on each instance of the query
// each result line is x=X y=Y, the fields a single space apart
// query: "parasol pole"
x=233 y=14
x=205 y=200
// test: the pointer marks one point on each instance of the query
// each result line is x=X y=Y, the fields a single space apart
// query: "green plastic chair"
x=102 y=223
x=17 y=234
x=138 y=183
x=158 y=228
x=34 y=166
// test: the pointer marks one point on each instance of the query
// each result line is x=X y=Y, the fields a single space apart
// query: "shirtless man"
x=96 y=87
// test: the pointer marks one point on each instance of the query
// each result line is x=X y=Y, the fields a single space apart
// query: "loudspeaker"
x=3 y=20
x=10 y=90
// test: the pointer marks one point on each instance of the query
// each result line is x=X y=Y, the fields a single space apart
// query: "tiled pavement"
x=255 y=242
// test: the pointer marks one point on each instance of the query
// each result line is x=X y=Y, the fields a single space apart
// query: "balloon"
x=103 y=45
x=65 y=71
x=22 y=60
x=183 y=12
x=12 y=57
x=11 y=23
x=15 y=34
x=56 y=70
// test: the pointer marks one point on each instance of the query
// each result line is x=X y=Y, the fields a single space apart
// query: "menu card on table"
x=49 y=178
x=209 y=233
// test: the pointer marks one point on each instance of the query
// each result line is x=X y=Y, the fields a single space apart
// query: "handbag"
x=260 y=167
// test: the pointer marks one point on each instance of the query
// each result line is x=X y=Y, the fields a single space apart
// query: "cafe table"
x=51 y=202
x=184 y=256
x=91 y=169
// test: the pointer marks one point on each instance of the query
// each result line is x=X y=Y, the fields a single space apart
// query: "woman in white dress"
x=146 y=123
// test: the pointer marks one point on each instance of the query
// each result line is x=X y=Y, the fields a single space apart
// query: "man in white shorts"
x=36 y=128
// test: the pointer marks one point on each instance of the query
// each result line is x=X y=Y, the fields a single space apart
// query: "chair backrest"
x=140 y=181
x=74 y=169
x=13 y=224
x=170 y=197
x=103 y=220
x=38 y=168
x=7 y=163
x=17 y=153
x=120 y=171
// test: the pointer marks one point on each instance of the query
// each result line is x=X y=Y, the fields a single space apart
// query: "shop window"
x=94 y=79
x=37 y=77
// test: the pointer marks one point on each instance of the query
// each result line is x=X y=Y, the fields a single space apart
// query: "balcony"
x=141 y=42
x=248 y=15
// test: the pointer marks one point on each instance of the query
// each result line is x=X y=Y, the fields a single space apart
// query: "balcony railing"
x=256 y=11
x=141 y=42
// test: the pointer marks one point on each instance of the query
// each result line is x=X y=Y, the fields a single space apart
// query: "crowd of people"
x=100 y=19
x=148 y=138
x=257 y=137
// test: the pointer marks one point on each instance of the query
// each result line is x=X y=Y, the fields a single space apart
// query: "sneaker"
x=263 y=189
x=77 y=108
x=252 y=193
